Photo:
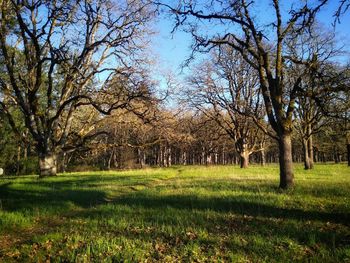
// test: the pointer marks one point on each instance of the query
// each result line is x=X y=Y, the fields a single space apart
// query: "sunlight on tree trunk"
x=310 y=152
x=48 y=164
x=285 y=161
x=244 y=162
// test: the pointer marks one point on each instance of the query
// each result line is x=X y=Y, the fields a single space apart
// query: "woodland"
x=243 y=156
x=78 y=91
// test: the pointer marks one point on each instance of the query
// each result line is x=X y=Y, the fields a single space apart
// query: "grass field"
x=190 y=214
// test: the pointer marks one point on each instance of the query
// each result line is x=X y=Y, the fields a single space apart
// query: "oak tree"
x=234 y=23
x=57 y=55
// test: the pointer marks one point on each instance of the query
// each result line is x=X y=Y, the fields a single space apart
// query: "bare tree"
x=62 y=55
x=263 y=47
x=319 y=47
x=226 y=90
x=343 y=7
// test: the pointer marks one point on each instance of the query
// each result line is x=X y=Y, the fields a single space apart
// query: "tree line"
x=124 y=141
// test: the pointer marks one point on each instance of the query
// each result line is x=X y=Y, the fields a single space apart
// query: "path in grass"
x=177 y=214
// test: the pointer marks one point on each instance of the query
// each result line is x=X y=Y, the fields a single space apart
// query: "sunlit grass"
x=217 y=213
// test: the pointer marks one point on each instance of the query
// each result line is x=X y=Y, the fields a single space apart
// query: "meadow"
x=187 y=214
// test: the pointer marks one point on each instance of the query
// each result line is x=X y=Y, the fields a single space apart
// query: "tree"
x=62 y=55
x=263 y=50
x=318 y=46
x=343 y=7
x=226 y=90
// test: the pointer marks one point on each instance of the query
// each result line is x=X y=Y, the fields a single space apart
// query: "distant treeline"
x=192 y=140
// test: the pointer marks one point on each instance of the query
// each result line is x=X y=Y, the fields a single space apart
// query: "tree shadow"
x=232 y=218
x=82 y=192
x=233 y=215
x=15 y=200
x=236 y=204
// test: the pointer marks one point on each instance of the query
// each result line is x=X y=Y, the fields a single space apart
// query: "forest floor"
x=191 y=214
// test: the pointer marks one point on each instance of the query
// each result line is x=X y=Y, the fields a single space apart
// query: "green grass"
x=189 y=214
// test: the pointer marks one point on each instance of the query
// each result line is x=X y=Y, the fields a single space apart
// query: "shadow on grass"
x=14 y=199
x=233 y=218
x=82 y=193
x=81 y=190
x=251 y=217
x=237 y=205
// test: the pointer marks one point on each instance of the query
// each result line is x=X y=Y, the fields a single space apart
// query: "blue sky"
x=172 y=49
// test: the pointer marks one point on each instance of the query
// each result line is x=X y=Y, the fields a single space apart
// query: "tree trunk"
x=208 y=159
x=316 y=156
x=48 y=164
x=262 y=155
x=160 y=156
x=244 y=161
x=62 y=166
x=285 y=161
x=202 y=160
x=310 y=152
x=307 y=165
x=168 y=156
x=336 y=155
x=25 y=158
x=110 y=159
x=18 y=168
x=184 y=158
x=223 y=156
x=141 y=157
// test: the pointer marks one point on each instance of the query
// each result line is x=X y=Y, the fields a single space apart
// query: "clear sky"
x=172 y=49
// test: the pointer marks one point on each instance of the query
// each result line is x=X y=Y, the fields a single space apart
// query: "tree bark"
x=48 y=164
x=348 y=152
x=244 y=161
x=242 y=150
x=63 y=169
x=307 y=165
x=168 y=156
x=110 y=159
x=336 y=155
x=310 y=150
x=262 y=155
x=141 y=156
x=208 y=159
x=18 y=165
x=285 y=161
x=184 y=158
